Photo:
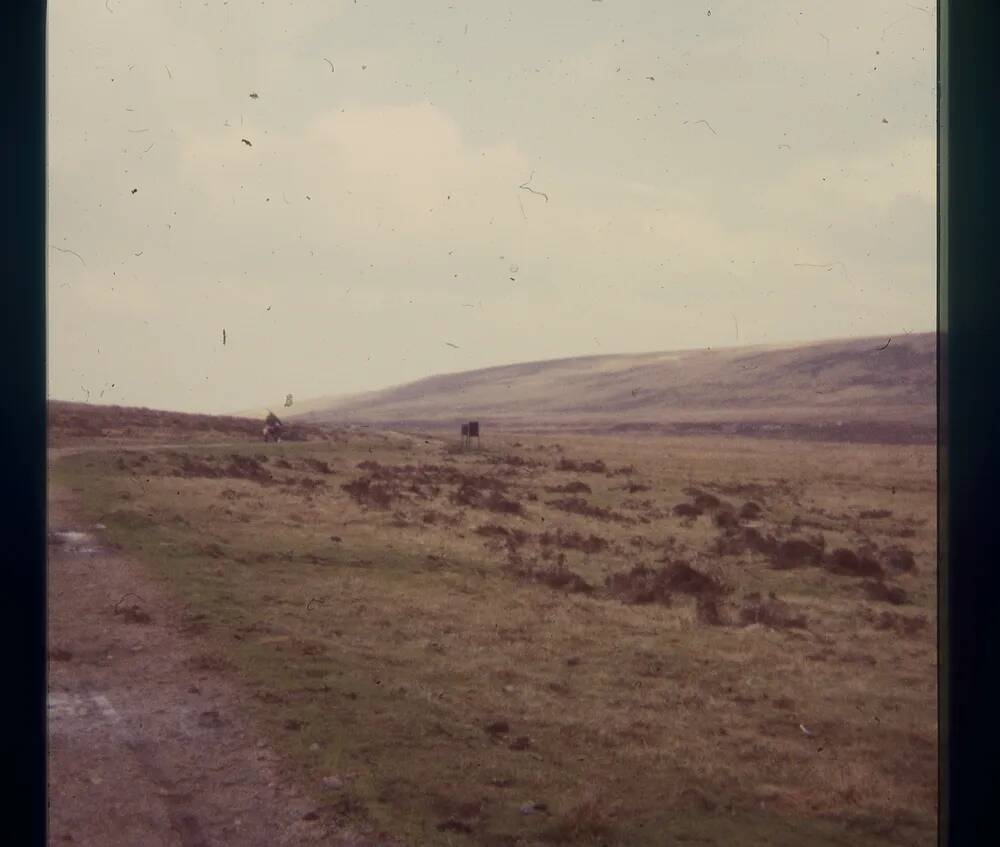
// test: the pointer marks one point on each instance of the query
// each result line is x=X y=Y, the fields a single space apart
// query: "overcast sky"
x=522 y=180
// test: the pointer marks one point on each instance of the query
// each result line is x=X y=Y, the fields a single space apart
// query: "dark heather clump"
x=702 y=499
x=247 y=467
x=747 y=540
x=771 y=612
x=900 y=623
x=797 y=552
x=515 y=461
x=876 y=513
x=512 y=538
x=596 y=466
x=194 y=467
x=709 y=611
x=687 y=510
x=563 y=579
x=496 y=502
x=573 y=541
x=725 y=519
x=640 y=585
x=680 y=577
x=371 y=493
x=558 y=576
x=880 y=592
x=750 y=511
x=485 y=493
x=575 y=487
x=899 y=558
x=848 y=563
x=636 y=487
x=579 y=506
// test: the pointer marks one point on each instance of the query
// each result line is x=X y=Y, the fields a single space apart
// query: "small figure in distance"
x=272 y=427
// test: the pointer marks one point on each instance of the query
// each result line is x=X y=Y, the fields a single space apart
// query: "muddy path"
x=142 y=749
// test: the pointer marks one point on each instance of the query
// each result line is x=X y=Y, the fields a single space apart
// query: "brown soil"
x=143 y=747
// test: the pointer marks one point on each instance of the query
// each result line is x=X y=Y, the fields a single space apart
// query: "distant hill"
x=857 y=389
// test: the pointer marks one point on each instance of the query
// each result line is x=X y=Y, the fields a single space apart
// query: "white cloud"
x=379 y=211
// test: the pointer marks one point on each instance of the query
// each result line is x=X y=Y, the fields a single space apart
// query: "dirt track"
x=141 y=749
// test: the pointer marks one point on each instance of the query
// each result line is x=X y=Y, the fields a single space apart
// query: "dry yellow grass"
x=396 y=644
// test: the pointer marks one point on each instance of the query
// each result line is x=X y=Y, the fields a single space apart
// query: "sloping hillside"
x=859 y=387
x=72 y=422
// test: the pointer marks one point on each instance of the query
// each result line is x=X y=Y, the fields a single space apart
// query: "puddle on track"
x=74 y=541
